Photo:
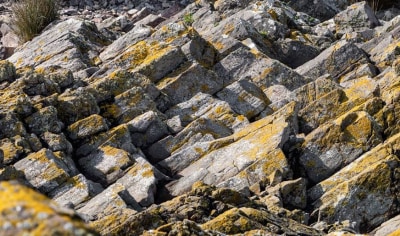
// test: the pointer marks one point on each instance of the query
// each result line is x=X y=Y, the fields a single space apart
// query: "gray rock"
x=387 y=227
x=245 y=98
x=250 y=145
x=141 y=182
x=106 y=165
x=336 y=61
x=71 y=44
x=46 y=119
x=322 y=10
x=117 y=82
x=74 y=105
x=44 y=170
x=57 y=142
x=193 y=80
x=75 y=191
x=147 y=129
x=87 y=127
x=111 y=200
x=7 y=71
x=343 y=141
x=357 y=17
x=38 y=84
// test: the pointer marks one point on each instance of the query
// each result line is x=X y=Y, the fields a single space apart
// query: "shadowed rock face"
x=203 y=118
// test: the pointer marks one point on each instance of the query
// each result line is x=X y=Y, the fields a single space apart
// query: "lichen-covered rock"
x=147 y=128
x=117 y=137
x=44 y=170
x=240 y=220
x=7 y=71
x=322 y=10
x=203 y=106
x=138 y=33
x=132 y=103
x=37 y=84
x=141 y=182
x=106 y=165
x=74 y=105
x=245 y=98
x=75 y=191
x=250 y=145
x=25 y=211
x=335 y=145
x=183 y=86
x=390 y=227
x=112 y=200
x=335 y=60
x=44 y=120
x=118 y=82
x=71 y=44
x=87 y=127
x=57 y=142
x=357 y=17
x=364 y=189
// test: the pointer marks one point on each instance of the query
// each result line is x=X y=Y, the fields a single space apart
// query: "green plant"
x=30 y=17
x=188 y=19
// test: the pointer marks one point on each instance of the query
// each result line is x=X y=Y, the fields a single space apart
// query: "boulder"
x=334 y=145
x=106 y=165
x=244 y=97
x=251 y=145
x=45 y=120
x=335 y=60
x=71 y=44
x=356 y=18
x=44 y=170
x=36 y=213
x=194 y=79
x=87 y=127
x=75 y=191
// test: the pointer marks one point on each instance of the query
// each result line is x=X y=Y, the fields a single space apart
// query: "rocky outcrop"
x=205 y=118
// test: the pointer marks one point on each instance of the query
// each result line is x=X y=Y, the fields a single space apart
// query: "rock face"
x=218 y=117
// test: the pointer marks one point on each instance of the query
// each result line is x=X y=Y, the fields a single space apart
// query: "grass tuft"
x=30 y=17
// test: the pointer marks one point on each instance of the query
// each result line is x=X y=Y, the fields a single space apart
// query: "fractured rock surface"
x=204 y=118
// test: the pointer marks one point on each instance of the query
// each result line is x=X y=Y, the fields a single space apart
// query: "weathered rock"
x=364 y=189
x=7 y=71
x=357 y=17
x=118 y=82
x=28 y=212
x=147 y=129
x=250 y=145
x=117 y=137
x=293 y=193
x=141 y=182
x=264 y=72
x=203 y=106
x=87 y=127
x=135 y=35
x=336 y=60
x=75 y=191
x=335 y=145
x=44 y=170
x=74 y=105
x=322 y=10
x=11 y=126
x=389 y=227
x=44 y=120
x=245 y=98
x=112 y=200
x=183 y=86
x=37 y=84
x=57 y=142
x=106 y=165
x=71 y=44
x=245 y=219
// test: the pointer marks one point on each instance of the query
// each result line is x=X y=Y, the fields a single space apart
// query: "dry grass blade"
x=30 y=17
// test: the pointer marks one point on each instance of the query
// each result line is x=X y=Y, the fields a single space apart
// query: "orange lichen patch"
x=228 y=28
x=22 y=205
